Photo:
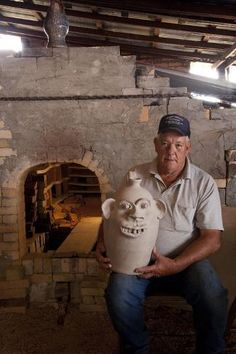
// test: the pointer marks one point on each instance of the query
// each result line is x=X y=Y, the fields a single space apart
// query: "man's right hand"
x=104 y=262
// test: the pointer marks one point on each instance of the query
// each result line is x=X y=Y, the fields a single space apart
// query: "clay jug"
x=56 y=25
x=131 y=223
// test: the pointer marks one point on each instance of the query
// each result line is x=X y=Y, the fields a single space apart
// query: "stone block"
x=81 y=265
x=93 y=165
x=5 y=152
x=47 y=265
x=9 y=202
x=172 y=91
x=9 y=219
x=77 y=52
x=13 y=67
x=66 y=277
x=92 y=267
x=4 y=143
x=144 y=115
x=39 y=292
x=106 y=188
x=230 y=155
x=221 y=182
x=5 y=134
x=9 y=246
x=41 y=278
x=10 y=237
x=8 y=210
x=148 y=82
x=13 y=293
x=100 y=300
x=12 y=255
x=15 y=272
x=38 y=265
x=103 y=179
x=93 y=283
x=37 y=52
x=56 y=266
x=87 y=158
x=75 y=291
x=230 y=192
x=9 y=192
x=13 y=284
x=28 y=266
x=133 y=91
x=65 y=265
x=88 y=300
x=222 y=193
x=231 y=169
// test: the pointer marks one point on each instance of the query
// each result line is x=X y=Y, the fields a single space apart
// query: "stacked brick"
x=86 y=282
x=9 y=224
x=231 y=180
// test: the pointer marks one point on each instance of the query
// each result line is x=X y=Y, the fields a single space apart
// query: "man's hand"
x=104 y=262
x=162 y=266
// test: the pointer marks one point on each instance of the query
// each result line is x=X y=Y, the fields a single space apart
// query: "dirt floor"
x=37 y=332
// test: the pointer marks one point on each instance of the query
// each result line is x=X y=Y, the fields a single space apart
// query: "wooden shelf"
x=82 y=191
x=84 y=184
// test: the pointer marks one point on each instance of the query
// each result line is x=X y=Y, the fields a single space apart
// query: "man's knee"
x=203 y=284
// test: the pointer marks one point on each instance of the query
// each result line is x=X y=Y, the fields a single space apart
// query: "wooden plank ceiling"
x=186 y=30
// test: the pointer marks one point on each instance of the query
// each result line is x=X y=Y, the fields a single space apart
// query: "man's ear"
x=189 y=147
x=107 y=207
x=155 y=143
x=161 y=209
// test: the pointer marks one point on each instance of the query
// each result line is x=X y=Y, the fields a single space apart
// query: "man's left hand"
x=163 y=266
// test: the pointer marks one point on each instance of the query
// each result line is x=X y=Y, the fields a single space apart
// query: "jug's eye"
x=124 y=205
x=143 y=204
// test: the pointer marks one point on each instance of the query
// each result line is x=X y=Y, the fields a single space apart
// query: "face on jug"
x=131 y=223
x=133 y=217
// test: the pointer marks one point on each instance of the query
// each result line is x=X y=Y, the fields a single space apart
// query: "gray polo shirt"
x=192 y=203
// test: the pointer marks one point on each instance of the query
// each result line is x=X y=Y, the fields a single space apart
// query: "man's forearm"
x=207 y=244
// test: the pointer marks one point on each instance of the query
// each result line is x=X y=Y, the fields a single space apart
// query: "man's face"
x=172 y=150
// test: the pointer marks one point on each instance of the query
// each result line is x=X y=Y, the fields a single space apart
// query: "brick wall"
x=92 y=107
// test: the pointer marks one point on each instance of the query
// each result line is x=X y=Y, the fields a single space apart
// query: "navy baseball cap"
x=174 y=122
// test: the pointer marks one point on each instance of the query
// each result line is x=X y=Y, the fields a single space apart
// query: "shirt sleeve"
x=209 y=211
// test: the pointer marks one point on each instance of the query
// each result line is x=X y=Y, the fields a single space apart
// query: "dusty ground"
x=37 y=332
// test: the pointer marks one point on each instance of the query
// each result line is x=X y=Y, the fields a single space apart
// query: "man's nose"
x=171 y=148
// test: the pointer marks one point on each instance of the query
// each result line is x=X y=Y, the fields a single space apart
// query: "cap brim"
x=173 y=129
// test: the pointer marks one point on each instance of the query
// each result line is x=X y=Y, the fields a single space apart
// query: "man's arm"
x=206 y=244
x=104 y=262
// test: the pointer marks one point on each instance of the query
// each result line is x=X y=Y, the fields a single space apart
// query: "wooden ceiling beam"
x=224 y=57
x=128 y=21
x=20 y=21
x=126 y=49
x=134 y=49
x=110 y=34
x=152 y=38
x=173 y=7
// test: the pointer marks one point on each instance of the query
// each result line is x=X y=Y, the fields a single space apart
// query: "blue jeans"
x=198 y=284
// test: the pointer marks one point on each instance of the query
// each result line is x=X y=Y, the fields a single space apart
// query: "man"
x=189 y=232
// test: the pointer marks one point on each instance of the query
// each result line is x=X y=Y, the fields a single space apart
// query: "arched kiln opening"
x=62 y=208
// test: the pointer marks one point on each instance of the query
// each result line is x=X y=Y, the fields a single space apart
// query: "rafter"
x=129 y=21
x=173 y=7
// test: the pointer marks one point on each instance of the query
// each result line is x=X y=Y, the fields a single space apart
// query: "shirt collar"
x=186 y=172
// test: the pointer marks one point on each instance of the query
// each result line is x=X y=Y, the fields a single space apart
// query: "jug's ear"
x=107 y=207
x=161 y=209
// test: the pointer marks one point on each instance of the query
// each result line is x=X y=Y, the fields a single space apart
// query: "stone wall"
x=92 y=107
